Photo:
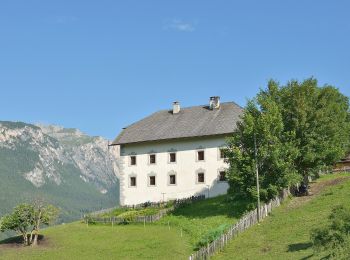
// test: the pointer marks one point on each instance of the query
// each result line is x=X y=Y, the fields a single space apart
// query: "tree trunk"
x=35 y=241
x=306 y=179
x=36 y=230
x=31 y=236
x=25 y=238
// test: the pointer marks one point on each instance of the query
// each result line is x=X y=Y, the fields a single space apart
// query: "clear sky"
x=101 y=65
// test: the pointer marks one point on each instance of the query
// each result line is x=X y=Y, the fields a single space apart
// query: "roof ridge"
x=204 y=105
x=192 y=121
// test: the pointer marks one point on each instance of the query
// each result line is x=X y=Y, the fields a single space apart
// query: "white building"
x=177 y=153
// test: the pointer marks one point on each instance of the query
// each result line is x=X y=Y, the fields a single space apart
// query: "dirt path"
x=315 y=189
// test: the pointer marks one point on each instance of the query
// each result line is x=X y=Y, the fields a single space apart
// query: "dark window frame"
x=133 y=160
x=172 y=157
x=150 y=178
x=222 y=153
x=133 y=181
x=172 y=179
x=152 y=159
x=222 y=177
x=200 y=177
x=200 y=156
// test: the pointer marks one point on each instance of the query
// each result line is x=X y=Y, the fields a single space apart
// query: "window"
x=200 y=177
x=133 y=160
x=152 y=181
x=152 y=159
x=172 y=179
x=222 y=176
x=132 y=181
x=172 y=157
x=200 y=155
x=222 y=154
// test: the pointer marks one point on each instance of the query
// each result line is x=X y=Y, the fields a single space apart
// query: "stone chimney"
x=214 y=102
x=176 y=107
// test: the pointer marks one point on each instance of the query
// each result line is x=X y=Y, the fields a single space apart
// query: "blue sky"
x=101 y=65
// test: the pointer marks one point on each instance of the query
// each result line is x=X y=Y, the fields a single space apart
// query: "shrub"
x=212 y=235
x=334 y=238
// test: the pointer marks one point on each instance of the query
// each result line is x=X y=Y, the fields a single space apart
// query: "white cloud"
x=179 y=25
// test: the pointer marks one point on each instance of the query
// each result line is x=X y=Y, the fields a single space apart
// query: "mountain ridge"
x=64 y=166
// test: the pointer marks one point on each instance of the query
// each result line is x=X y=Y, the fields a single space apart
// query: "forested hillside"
x=65 y=167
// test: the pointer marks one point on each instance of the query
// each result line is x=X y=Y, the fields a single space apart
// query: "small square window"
x=200 y=155
x=200 y=177
x=222 y=176
x=172 y=157
x=133 y=160
x=222 y=154
x=172 y=179
x=152 y=159
x=133 y=181
x=152 y=180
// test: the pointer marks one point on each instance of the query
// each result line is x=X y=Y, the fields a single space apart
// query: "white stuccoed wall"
x=185 y=168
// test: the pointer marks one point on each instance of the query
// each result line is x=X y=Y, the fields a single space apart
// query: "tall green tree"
x=20 y=221
x=261 y=121
x=299 y=128
x=43 y=214
x=26 y=219
x=319 y=116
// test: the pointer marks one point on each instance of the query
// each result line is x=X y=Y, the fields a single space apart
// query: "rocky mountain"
x=66 y=167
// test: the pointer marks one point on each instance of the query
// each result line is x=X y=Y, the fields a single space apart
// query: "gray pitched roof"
x=189 y=122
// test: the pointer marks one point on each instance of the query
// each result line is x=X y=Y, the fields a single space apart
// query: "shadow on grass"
x=299 y=246
x=217 y=206
x=17 y=241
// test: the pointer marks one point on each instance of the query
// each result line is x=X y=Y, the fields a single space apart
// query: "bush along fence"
x=248 y=220
x=95 y=218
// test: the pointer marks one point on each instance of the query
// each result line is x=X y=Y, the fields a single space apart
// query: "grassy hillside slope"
x=201 y=219
x=174 y=237
x=286 y=233
x=77 y=241
x=283 y=235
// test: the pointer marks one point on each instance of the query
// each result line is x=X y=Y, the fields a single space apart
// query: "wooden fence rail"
x=248 y=220
x=94 y=218
x=116 y=220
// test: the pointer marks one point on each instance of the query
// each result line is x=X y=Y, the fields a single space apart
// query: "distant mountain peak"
x=50 y=156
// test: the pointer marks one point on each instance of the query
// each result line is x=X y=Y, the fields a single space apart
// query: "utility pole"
x=163 y=196
x=257 y=176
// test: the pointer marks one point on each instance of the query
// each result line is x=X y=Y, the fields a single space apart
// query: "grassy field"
x=174 y=237
x=286 y=233
x=202 y=218
x=283 y=235
x=77 y=241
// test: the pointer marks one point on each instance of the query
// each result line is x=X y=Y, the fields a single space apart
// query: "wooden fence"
x=248 y=220
x=94 y=218
x=117 y=220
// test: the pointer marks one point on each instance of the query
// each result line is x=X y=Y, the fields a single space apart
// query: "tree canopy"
x=300 y=128
x=26 y=219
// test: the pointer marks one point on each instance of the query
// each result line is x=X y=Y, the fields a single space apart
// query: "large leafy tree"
x=43 y=214
x=20 y=221
x=26 y=219
x=319 y=116
x=299 y=129
x=261 y=124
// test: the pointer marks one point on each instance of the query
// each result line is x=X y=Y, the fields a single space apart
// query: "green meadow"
x=282 y=235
